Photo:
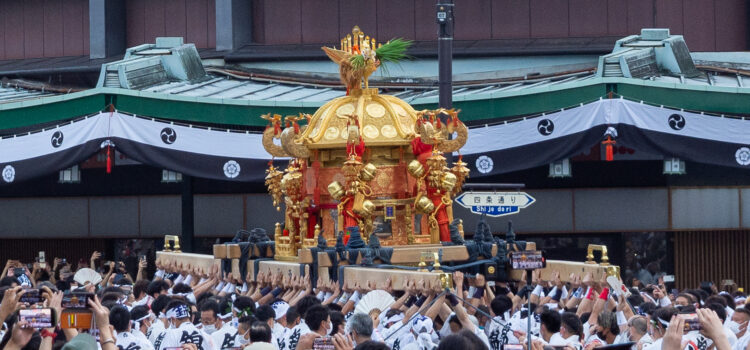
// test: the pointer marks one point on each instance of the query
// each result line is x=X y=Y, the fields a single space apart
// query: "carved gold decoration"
x=432 y=131
x=272 y=132
x=273 y=183
x=462 y=173
x=291 y=146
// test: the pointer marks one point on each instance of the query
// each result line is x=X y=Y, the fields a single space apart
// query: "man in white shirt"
x=500 y=330
x=738 y=326
x=570 y=333
x=181 y=329
x=638 y=331
x=293 y=336
x=278 y=331
x=216 y=319
x=160 y=323
x=119 y=318
x=141 y=319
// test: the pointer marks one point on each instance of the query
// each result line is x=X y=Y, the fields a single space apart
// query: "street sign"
x=495 y=203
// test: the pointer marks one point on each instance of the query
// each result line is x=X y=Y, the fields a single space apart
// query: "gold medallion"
x=370 y=132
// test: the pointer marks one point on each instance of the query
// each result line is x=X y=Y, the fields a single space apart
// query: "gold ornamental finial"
x=358 y=56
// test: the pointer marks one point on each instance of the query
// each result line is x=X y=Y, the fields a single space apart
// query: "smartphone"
x=76 y=300
x=668 y=278
x=512 y=347
x=323 y=343
x=42 y=260
x=528 y=260
x=76 y=319
x=63 y=261
x=692 y=323
x=727 y=282
x=31 y=296
x=38 y=318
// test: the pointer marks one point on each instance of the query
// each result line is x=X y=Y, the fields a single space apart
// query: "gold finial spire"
x=359 y=57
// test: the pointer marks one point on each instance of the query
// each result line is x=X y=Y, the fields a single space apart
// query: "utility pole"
x=445 y=52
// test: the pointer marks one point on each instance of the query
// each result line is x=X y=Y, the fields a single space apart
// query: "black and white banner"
x=502 y=148
x=191 y=150
x=537 y=141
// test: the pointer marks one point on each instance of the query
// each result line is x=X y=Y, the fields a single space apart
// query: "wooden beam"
x=378 y=276
x=409 y=254
x=285 y=267
x=203 y=261
x=566 y=268
x=233 y=251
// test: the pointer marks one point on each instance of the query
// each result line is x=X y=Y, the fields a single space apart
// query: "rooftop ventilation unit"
x=652 y=53
x=152 y=64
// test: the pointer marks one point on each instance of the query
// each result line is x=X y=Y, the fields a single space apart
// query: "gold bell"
x=424 y=205
x=336 y=190
x=416 y=169
x=448 y=182
x=368 y=207
x=368 y=172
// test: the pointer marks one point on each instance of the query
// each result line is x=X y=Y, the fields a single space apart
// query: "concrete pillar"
x=106 y=28
x=233 y=24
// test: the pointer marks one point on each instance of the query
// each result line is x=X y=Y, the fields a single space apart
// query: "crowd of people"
x=98 y=305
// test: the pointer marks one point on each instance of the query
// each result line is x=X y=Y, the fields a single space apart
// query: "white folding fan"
x=376 y=299
x=87 y=275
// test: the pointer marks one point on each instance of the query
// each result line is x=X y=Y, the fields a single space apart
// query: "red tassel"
x=296 y=128
x=609 y=142
x=439 y=124
x=109 y=159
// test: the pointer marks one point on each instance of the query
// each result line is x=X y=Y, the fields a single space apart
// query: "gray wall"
x=555 y=211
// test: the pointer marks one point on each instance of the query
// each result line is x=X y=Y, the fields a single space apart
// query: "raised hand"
x=388 y=287
x=479 y=281
x=342 y=342
x=556 y=279
x=673 y=336
x=588 y=279
x=10 y=302
x=458 y=278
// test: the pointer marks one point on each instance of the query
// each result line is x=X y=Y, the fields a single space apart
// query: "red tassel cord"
x=109 y=159
x=609 y=142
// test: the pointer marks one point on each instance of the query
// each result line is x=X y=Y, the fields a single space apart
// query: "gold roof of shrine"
x=384 y=120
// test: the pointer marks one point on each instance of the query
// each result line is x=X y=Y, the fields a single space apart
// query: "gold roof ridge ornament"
x=359 y=57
